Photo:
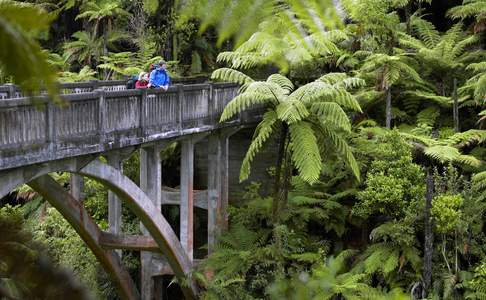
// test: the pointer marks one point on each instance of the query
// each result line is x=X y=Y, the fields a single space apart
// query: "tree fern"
x=262 y=133
x=305 y=151
x=470 y=8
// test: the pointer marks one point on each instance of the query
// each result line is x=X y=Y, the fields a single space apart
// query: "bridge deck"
x=36 y=131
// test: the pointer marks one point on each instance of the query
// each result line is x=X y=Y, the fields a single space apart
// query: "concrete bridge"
x=38 y=138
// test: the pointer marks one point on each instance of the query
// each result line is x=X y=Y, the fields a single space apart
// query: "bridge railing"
x=9 y=91
x=36 y=130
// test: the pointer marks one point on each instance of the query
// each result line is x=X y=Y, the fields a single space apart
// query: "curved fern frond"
x=231 y=75
x=244 y=101
x=469 y=160
x=344 y=150
x=332 y=113
x=426 y=31
x=282 y=81
x=467 y=138
x=479 y=181
x=291 y=111
x=241 y=60
x=442 y=153
x=305 y=151
x=319 y=91
x=263 y=131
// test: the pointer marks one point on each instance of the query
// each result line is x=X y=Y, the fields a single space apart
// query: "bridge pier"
x=76 y=183
x=151 y=184
x=218 y=175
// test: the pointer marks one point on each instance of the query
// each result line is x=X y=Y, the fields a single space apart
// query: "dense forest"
x=376 y=111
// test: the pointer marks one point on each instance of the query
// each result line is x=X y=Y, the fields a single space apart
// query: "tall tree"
x=302 y=119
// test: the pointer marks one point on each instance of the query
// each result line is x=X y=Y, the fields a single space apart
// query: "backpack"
x=130 y=84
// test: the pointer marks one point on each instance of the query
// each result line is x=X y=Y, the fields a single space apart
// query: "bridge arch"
x=89 y=166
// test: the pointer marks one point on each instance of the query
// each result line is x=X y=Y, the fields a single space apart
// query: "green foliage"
x=446 y=212
x=26 y=272
x=20 y=23
x=243 y=18
x=393 y=183
x=309 y=111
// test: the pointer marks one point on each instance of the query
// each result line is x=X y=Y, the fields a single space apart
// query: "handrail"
x=34 y=130
x=10 y=91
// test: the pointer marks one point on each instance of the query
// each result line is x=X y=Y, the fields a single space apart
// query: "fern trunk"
x=388 y=108
x=428 y=233
x=278 y=174
x=455 y=107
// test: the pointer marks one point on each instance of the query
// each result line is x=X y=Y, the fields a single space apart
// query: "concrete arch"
x=151 y=218
x=128 y=192
x=74 y=212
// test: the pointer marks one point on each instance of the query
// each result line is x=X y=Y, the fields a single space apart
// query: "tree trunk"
x=455 y=107
x=278 y=174
x=388 y=108
x=105 y=47
x=428 y=233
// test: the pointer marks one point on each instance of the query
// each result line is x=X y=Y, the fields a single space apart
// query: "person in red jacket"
x=143 y=80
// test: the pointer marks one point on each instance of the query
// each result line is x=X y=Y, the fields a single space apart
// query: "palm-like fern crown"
x=444 y=53
x=471 y=8
x=312 y=112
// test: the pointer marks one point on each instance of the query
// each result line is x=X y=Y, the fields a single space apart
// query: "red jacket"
x=141 y=84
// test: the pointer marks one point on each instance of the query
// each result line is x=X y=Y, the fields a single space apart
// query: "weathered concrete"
x=151 y=218
x=115 y=160
x=76 y=184
x=151 y=183
x=217 y=183
x=187 y=197
x=73 y=211
x=97 y=122
x=128 y=242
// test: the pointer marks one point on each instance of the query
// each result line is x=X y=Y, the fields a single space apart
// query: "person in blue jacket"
x=159 y=78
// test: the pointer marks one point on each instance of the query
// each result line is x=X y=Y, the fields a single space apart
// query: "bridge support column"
x=76 y=183
x=115 y=160
x=218 y=168
x=187 y=197
x=151 y=184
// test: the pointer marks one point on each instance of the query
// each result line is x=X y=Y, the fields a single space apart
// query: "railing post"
x=11 y=90
x=180 y=96
x=101 y=114
x=51 y=122
x=211 y=107
x=143 y=112
x=94 y=85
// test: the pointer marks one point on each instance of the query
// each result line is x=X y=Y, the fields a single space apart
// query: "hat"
x=162 y=62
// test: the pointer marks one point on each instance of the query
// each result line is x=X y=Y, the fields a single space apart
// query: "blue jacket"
x=159 y=77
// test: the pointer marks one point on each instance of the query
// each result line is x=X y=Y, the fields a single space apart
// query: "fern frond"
x=227 y=74
x=467 y=138
x=305 y=151
x=426 y=31
x=469 y=160
x=428 y=116
x=332 y=113
x=442 y=153
x=282 y=81
x=344 y=150
x=263 y=131
x=244 y=101
x=291 y=110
